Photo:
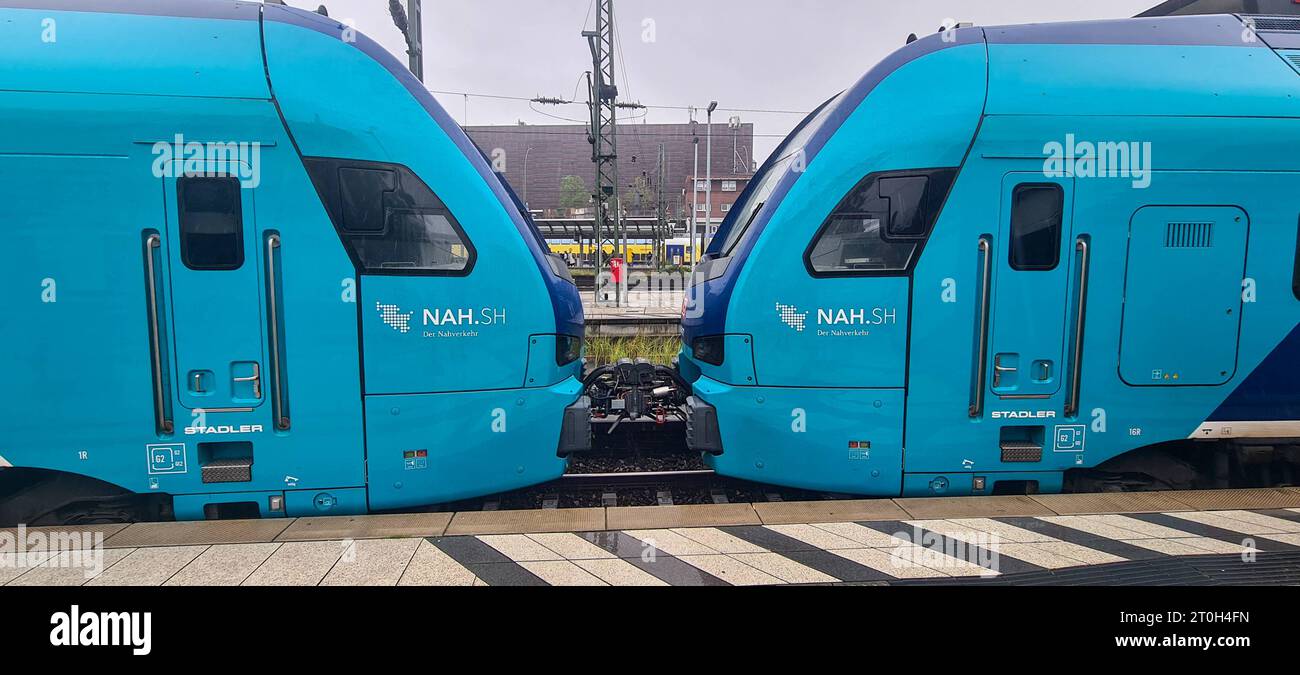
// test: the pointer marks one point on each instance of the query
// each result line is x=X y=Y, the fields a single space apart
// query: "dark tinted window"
x=364 y=192
x=880 y=226
x=211 y=223
x=1036 y=216
x=389 y=219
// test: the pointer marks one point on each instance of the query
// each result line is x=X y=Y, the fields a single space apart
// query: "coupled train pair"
x=253 y=269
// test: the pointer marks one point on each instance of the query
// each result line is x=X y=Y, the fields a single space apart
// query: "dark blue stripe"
x=1221 y=30
x=1271 y=392
x=566 y=302
x=187 y=9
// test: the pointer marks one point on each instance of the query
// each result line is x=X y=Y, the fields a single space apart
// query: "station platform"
x=645 y=314
x=1249 y=536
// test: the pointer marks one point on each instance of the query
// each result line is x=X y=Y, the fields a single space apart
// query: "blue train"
x=1040 y=257
x=253 y=269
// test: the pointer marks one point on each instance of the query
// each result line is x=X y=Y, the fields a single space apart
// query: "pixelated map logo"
x=791 y=316
x=394 y=316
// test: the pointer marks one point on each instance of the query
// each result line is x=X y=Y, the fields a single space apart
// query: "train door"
x=1029 y=295
x=216 y=293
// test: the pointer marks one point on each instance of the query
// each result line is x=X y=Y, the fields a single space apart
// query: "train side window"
x=211 y=219
x=1037 y=211
x=881 y=225
x=389 y=219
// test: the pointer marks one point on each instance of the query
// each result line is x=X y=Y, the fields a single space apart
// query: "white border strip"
x=1266 y=429
x=4 y=463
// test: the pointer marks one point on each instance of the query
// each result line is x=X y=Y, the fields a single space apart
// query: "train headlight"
x=568 y=348
x=709 y=349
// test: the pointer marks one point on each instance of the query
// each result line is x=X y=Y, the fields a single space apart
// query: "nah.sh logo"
x=394 y=316
x=791 y=316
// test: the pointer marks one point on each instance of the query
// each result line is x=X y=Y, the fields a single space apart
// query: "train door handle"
x=999 y=369
x=255 y=378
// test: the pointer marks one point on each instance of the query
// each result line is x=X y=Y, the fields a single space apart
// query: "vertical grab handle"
x=982 y=337
x=1084 y=249
x=161 y=417
x=273 y=320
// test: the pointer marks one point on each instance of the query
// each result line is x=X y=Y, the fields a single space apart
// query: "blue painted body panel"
x=1218 y=112
x=82 y=116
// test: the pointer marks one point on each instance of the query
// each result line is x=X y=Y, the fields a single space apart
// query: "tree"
x=574 y=193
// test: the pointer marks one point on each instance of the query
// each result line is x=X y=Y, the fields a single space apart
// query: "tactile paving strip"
x=527 y=522
x=924 y=508
x=828 y=511
x=367 y=527
x=1117 y=502
x=198 y=532
x=60 y=538
x=687 y=515
x=1256 y=498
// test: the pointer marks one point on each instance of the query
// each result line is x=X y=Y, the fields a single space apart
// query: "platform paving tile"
x=1006 y=532
x=668 y=542
x=1193 y=528
x=431 y=567
x=786 y=569
x=718 y=540
x=821 y=560
x=1285 y=525
x=69 y=568
x=1139 y=523
x=148 y=566
x=862 y=535
x=571 y=546
x=504 y=574
x=491 y=566
x=297 y=563
x=618 y=572
x=1097 y=527
x=223 y=565
x=816 y=537
x=1085 y=555
x=1220 y=520
x=1121 y=548
x=885 y=562
x=372 y=562
x=519 y=547
x=1037 y=554
x=17 y=564
x=730 y=570
x=562 y=573
x=1174 y=547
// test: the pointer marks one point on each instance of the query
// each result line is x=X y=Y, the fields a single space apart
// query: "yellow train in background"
x=637 y=253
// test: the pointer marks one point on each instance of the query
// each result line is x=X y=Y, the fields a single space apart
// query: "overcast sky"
x=784 y=55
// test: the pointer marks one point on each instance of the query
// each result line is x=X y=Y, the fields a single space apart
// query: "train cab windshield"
x=751 y=201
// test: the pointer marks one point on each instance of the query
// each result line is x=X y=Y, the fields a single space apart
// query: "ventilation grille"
x=1189 y=235
x=1294 y=59
x=1274 y=22
x=1021 y=451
